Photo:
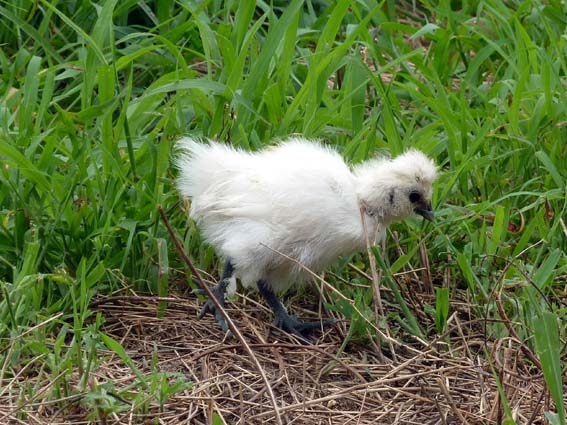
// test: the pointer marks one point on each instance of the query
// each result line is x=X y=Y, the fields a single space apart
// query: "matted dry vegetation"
x=445 y=382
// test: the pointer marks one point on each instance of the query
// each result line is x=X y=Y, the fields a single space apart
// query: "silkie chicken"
x=298 y=198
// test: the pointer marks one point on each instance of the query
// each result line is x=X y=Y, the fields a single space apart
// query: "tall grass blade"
x=548 y=348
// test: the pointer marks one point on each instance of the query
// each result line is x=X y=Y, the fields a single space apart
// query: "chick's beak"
x=425 y=211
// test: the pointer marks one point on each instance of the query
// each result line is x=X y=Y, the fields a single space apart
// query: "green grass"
x=92 y=99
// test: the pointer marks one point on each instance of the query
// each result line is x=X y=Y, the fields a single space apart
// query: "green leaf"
x=548 y=349
x=551 y=168
x=545 y=272
x=206 y=86
x=217 y=419
x=31 y=87
x=441 y=309
x=498 y=229
x=163 y=273
x=117 y=348
x=427 y=29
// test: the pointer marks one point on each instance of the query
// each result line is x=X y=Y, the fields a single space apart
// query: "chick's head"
x=394 y=189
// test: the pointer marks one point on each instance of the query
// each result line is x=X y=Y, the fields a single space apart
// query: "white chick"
x=298 y=198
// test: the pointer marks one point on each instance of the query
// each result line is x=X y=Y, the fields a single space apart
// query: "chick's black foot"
x=210 y=307
x=219 y=292
x=292 y=324
x=283 y=320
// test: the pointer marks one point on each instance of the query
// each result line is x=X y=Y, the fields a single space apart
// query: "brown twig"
x=378 y=308
x=450 y=400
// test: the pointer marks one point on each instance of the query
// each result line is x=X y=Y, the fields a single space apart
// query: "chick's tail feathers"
x=200 y=164
x=220 y=181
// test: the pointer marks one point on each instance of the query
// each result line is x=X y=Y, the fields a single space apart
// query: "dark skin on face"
x=422 y=207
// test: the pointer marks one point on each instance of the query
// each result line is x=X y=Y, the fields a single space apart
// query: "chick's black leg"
x=219 y=292
x=283 y=320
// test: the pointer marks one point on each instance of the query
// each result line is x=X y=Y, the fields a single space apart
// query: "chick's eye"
x=414 y=197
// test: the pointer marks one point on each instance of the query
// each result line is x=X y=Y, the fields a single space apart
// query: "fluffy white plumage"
x=298 y=198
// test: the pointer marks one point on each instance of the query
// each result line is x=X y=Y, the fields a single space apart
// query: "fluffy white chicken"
x=298 y=198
